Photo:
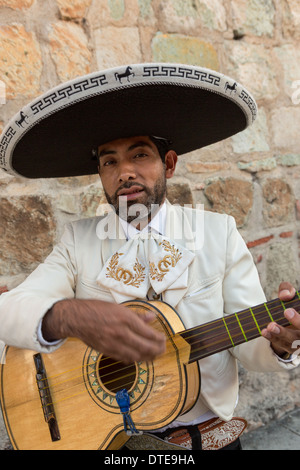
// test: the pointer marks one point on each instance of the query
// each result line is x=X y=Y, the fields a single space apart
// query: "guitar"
x=67 y=399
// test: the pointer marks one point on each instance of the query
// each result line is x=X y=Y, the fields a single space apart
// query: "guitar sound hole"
x=116 y=375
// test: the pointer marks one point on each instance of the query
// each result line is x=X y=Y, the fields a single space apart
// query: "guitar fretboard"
x=236 y=328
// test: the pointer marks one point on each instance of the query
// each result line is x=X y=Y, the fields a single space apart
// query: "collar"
x=157 y=224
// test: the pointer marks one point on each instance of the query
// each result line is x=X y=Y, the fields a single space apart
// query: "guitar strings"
x=235 y=335
x=259 y=309
x=212 y=330
x=241 y=324
x=83 y=382
x=274 y=311
x=230 y=320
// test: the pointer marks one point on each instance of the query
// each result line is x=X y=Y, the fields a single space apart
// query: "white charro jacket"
x=222 y=279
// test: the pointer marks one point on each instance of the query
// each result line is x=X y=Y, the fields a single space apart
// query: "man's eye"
x=139 y=155
x=108 y=163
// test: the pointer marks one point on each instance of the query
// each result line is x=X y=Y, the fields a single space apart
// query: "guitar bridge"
x=45 y=396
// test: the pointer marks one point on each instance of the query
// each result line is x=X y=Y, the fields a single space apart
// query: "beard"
x=142 y=211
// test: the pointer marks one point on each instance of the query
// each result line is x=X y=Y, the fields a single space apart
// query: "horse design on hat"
x=232 y=88
x=128 y=72
x=23 y=118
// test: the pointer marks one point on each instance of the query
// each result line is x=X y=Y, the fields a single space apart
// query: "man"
x=132 y=169
x=139 y=250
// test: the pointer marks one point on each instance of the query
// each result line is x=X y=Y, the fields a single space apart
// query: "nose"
x=126 y=172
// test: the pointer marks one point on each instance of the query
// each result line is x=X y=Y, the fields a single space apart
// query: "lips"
x=132 y=191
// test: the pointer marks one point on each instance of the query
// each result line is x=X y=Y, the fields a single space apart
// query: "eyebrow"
x=140 y=143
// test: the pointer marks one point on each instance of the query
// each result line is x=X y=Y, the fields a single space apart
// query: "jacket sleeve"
x=22 y=308
x=243 y=292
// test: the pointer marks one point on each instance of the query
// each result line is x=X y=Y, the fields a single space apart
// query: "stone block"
x=27 y=233
x=278 y=202
x=207 y=167
x=90 y=200
x=281 y=265
x=253 y=16
x=69 y=50
x=290 y=159
x=180 y=194
x=123 y=51
x=254 y=66
x=288 y=56
x=16 y=4
x=285 y=125
x=21 y=63
x=190 y=16
x=116 y=8
x=265 y=164
x=178 y=48
x=120 y=13
x=253 y=139
x=73 y=9
x=68 y=203
x=231 y=196
x=291 y=18
x=145 y=9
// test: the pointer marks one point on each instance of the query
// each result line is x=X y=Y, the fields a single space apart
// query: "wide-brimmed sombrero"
x=192 y=107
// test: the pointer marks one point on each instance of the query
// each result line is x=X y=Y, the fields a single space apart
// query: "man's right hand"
x=109 y=328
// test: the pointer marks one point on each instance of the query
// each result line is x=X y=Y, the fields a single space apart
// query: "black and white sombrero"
x=192 y=107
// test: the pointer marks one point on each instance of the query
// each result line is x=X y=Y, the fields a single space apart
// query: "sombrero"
x=192 y=107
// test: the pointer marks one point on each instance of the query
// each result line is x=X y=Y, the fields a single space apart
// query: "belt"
x=215 y=435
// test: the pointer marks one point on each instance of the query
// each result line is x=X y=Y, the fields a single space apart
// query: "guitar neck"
x=236 y=328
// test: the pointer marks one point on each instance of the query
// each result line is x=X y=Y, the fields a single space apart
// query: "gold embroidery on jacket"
x=124 y=275
x=168 y=261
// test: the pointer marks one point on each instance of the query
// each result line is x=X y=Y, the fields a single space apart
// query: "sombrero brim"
x=191 y=106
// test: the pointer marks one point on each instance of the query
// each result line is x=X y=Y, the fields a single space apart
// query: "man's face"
x=132 y=172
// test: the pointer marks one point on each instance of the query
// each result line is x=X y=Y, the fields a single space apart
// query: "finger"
x=282 y=338
x=145 y=349
x=132 y=348
x=147 y=340
x=279 y=344
x=133 y=332
x=271 y=331
x=140 y=325
x=293 y=317
x=286 y=291
x=148 y=317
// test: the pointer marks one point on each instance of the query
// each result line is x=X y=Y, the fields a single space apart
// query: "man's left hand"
x=285 y=340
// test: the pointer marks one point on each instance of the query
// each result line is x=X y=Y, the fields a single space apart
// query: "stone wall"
x=253 y=176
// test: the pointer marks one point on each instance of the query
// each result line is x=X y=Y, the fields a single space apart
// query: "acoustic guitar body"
x=67 y=399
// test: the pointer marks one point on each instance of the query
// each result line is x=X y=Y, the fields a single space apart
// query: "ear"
x=170 y=163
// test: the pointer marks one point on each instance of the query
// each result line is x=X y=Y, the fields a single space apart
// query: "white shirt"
x=158 y=224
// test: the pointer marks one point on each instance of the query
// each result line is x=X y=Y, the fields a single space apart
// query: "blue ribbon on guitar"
x=123 y=401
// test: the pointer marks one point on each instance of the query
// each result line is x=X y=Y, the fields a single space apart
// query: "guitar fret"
x=228 y=332
x=269 y=313
x=253 y=316
x=240 y=325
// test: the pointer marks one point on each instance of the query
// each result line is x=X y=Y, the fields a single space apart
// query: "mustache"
x=128 y=185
